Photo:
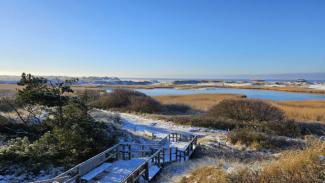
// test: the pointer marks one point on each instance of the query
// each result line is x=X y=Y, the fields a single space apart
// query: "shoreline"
x=184 y=87
x=13 y=87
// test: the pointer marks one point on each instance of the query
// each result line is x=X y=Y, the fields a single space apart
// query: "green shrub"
x=247 y=110
x=33 y=156
x=12 y=129
x=79 y=138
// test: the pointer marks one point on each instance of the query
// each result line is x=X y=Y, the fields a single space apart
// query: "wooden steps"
x=128 y=162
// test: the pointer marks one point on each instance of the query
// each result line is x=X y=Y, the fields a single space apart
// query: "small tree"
x=40 y=91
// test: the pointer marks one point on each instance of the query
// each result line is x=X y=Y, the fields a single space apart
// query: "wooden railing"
x=74 y=174
x=143 y=169
x=157 y=154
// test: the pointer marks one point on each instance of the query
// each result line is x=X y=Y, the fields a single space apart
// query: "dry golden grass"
x=296 y=166
x=208 y=174
x=197 y=101
x=303 y=110
x=284 y=89
x=11 y=87
x=293 y=166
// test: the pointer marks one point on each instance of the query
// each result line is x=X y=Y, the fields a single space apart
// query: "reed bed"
x=303 y=111
x=197 y=101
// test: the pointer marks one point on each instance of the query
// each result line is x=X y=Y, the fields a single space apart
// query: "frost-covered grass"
x=296 y=166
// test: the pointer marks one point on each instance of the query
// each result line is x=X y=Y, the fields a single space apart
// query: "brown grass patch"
x=296 y=166
x=208 y=174
x=303 y=110
x=196 y=101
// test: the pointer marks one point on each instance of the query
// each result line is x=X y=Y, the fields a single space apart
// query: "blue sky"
x=161 y=38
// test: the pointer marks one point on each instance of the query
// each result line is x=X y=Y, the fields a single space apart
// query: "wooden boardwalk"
x=130 y=162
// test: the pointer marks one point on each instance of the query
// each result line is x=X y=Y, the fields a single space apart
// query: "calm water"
x=250 y=93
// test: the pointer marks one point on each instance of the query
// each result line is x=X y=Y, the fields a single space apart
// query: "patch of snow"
x=121 y=169
x=238 y=84
x=139 y=124
x=317 y=86
x=153 y=171
x=179 y=145
x=20 y=175
x=95 y=172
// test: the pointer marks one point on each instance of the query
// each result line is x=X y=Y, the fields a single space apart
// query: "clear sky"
x=161 y=38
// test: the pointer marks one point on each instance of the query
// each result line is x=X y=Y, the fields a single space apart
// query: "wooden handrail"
x=80 y=172
x=76 y=172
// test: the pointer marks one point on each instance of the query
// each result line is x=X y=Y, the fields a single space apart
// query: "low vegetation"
x=247 y=110
x=201 y=120
x=300 y=111
x=304 y=111
x=251 y=114
x=298 y=166
x=259 y=140
x=197 y=101
x=133 y=101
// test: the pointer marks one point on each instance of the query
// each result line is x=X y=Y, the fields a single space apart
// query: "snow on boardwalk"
x=120 y=170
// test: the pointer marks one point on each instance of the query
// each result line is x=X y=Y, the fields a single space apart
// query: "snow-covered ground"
x=143 y=129
x=52 y=172
x=317 y=86
x=238 y=84
x=144 y=126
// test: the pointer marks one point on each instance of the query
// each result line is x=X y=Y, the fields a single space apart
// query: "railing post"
x=146 y=173
x=176 y=154
x=117 y=152
x=129 y=153
x=142 y=148
x=123 y=152
x=159 y=159
x=163 y=155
